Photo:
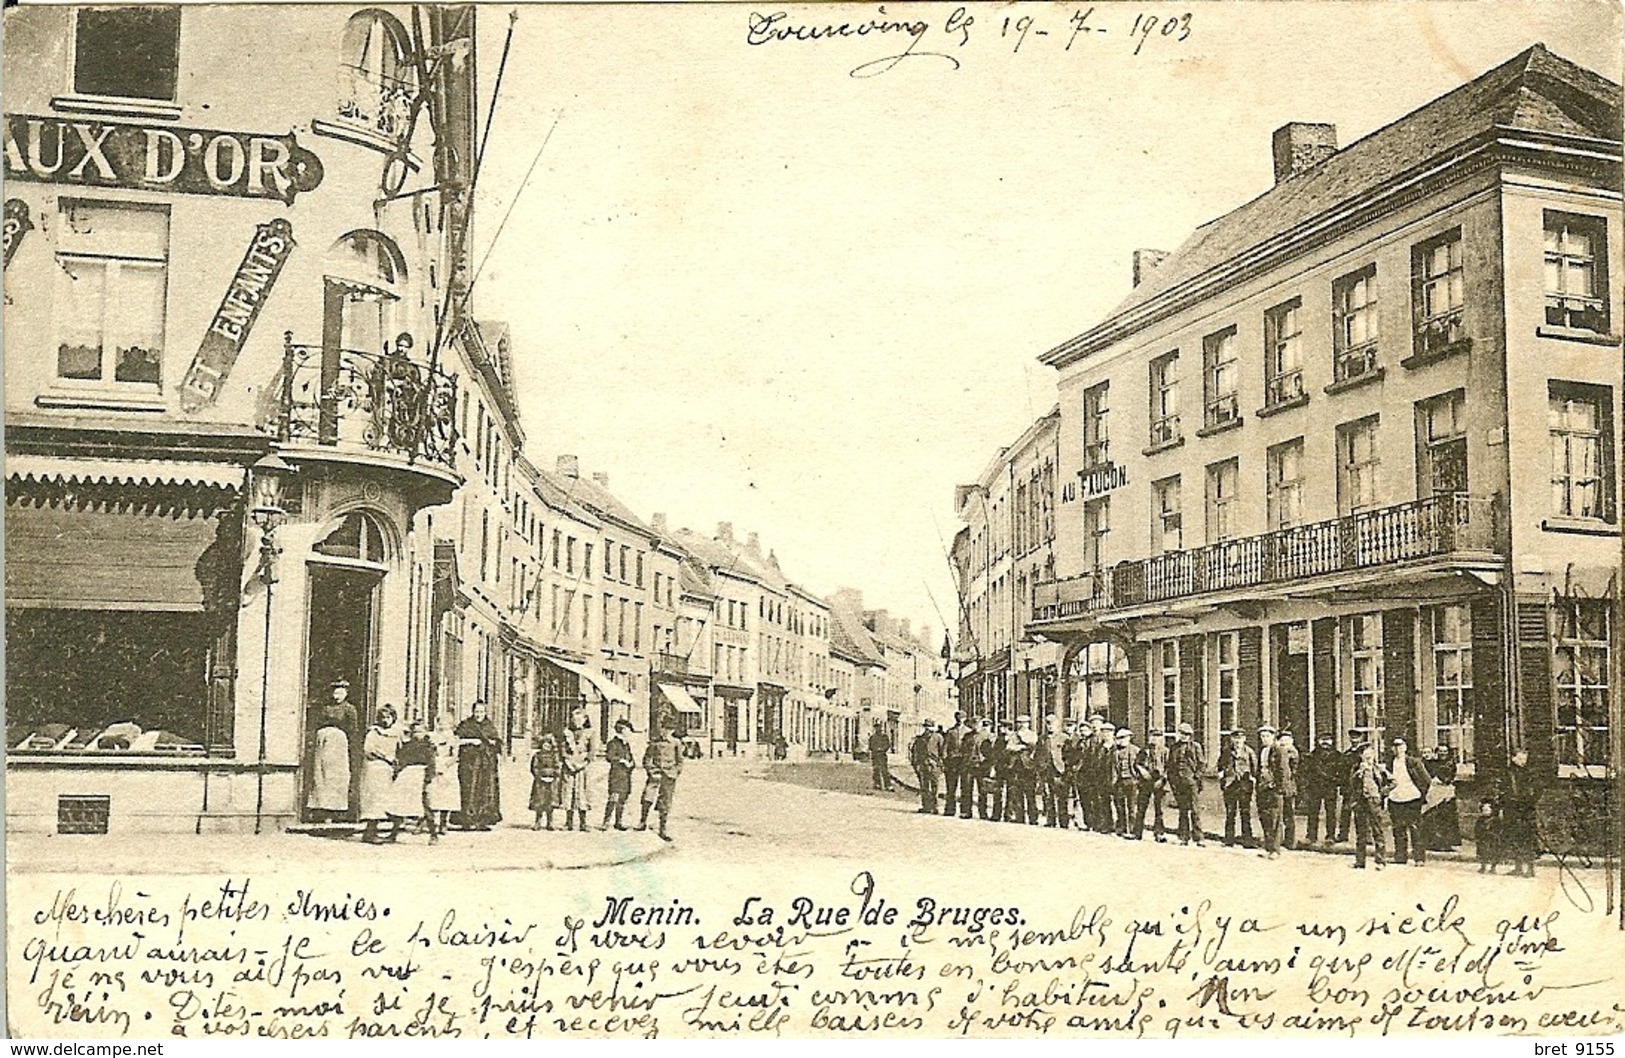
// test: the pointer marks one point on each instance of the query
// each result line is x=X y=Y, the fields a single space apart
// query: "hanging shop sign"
x=158 y=158
x=245 y=296
x=18 y=224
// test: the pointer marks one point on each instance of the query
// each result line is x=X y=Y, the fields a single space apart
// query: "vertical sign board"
x=245 y=296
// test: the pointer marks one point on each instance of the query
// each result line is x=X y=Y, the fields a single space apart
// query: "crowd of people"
x=1091 y=776
x=418 y=777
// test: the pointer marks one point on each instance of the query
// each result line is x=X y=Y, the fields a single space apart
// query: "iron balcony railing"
x=1425 y=528
x=367 y=401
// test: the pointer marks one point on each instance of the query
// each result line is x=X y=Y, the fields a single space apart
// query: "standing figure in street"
x=1025 y=771
x=1322 y=784
x=1049 y=772
x=953 y=765
x=879 y=747
x=378 y=774
x=1238 y=773
x=333 y=727
x=1288 y=766
x=618 y=752
x=1154 y=784
x=662 y=764
x=546 y=767
x=579 y=747
x=1126 y=779
x=1105 y=748
x=444 y=795
x=477 y=771
x=409 y=789
x=925 y=754
x=1072 y=758
x=1441 y=825
x=1186 y=763
x=1520 y=837
x=1369 y=784
x=973 y=779
x=1347 y=791
x=1269 y=792
x=996 y=791
x=1405 y=800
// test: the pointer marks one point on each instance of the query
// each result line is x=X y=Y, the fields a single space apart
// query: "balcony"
x=1429 y=528
x=366 y=403
x=671 y=664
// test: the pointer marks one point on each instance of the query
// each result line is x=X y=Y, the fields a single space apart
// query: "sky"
x=752 y=287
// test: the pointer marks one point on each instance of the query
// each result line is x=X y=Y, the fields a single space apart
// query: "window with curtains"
x=1226 y=668
x=1453 y=678
x=1167 y=521
x=376 y=81
x=1285 y=480
x=1165 y=399
x=1576 y=272
x=1438 y=293
x=1579 y=423
x=1167 y=658
x=1580 y=653
x=1357 y=464
x=1442 y=425
x=1283 y=353
x=1364 y=637
x=1222 y=506
x=1220 y=378
x=1354 y=324
x=111 y=287
x=1096 y=434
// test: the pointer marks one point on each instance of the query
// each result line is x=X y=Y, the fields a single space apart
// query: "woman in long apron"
x=378 y=773
x=334 y=724
x=408 y=792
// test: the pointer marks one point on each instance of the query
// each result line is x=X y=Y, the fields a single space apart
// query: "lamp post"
x=267 y=484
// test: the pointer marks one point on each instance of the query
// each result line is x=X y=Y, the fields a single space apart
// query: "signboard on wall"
x=1099 y=480
x=245 y=296
x=18 y=224
x=91 y=153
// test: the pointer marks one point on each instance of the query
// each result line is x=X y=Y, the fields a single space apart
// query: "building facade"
x=203 y=268
x=1348 y=460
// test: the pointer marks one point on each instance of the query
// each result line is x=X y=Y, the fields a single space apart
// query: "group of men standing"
x=1086 y=774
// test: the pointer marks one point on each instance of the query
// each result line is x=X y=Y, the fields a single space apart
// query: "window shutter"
x=1323 y=658
x=1489 y=685
x=1249 y=678
x=1399 y=673
x=1536 y=705
x=1138 y=655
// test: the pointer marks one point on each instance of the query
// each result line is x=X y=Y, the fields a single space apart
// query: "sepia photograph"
x=826 y=522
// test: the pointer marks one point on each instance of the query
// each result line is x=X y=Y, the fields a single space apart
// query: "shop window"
x=1580 y=426
x=1438 y=289
x=1219 y=378
x=106 y=681
x=1165 y=399
x=1364 y=632
x=1453 y=679
x=376 y=83
x=111 y=281
x=1357 y=464
x=1167 y=525
x=1227 y=646
x=1441 y=425
x=127 y=52
x=1285 y=480
x=1167 y=653
x=1283 y=354
x=1096 y=432
x=1576 y=261
x=1581 y=663
x=1354 y=324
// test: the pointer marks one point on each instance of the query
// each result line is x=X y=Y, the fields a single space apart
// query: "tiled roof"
x=849 y=638
x=605 y=503
x=1535 y=90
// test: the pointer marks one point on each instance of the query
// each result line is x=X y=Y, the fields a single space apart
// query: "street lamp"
x=267 y=486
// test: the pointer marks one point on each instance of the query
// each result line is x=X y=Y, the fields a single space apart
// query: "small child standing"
x=1486 y=834
x=545 y=766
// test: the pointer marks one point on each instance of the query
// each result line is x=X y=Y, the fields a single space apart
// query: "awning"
x=680 y=699
x=43 y=468
x=607 y=687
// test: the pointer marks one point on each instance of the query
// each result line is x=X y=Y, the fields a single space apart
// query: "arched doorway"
x=346 y=573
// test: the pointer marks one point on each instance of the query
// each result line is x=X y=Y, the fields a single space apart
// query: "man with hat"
x=1126 y=779
x=1288 y=769
x=974 y=774
x=1049 y=773
x=1072 y=759
x=1186 y=763
x=1098 y=768
x=953 y=765
x=1021 y=793
x=1405 y=801
x=1323 y=781
x=1238 y=772
x=1269 y=792
x=1153 y=783
x=996 y=798
x=925 y=754
x=879 y=748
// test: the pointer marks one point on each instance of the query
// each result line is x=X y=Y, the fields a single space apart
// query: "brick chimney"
x=601 y=478
x=657 y=521
x=902 y=628
x=1299 y=146
x=753 y=546
x=1145 y=261
x=569 y=466
x=725 y=533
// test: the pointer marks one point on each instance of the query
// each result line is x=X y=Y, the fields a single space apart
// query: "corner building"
x=1347 y=461
x=250 y=243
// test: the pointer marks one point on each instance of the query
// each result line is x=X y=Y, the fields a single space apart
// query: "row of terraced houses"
x=1347 y=461
x=257 y=442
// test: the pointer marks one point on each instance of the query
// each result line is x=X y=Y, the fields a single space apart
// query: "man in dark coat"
x=1346 y=791
x=879 y=748
x=1288 y=769
x=1186 y=764
x=1269 y=792
x=925 y=754
x=1154 y=784
x=953 y=765
x=1072 y=760
x=973 y=776
x=996 y=773
x=662 y=764
x=1049 y=771
x=1238 y=774
x=1323 y=775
